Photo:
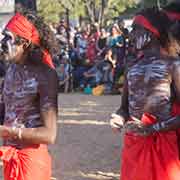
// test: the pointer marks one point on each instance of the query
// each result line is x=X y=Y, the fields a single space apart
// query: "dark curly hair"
x=47 y=38
x=160 y=21
x=175 y=29
x=173 y=7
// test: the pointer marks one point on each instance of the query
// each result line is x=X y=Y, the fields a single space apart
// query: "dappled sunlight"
x=71 y=113
x=86 y=148
x=100 y=175
x=86 y=111
x=94 y=175
x=52 y=178
x=83 y=122
x=89 y=103
x=81 y=111
x=65 y=109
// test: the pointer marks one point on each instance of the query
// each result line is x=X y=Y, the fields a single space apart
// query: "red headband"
x=141 y=20
x=24 y=28
x=173 y=15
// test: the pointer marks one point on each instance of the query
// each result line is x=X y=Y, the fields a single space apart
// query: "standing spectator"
x=101 y=43
x=77 y=35
x=91 y=48
x=117 y=43
x=82 y=44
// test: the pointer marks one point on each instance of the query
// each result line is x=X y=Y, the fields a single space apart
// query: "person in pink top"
x=91 y=51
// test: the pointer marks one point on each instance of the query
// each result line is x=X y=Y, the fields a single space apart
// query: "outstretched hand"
x=116 y=122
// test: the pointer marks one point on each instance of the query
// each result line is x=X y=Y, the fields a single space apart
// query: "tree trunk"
x=101 y=13
x=28 y=4
x=158 y=4
x=169 y=1
x=90 y=10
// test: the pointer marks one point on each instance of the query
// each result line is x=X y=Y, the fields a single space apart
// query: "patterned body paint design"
x=25 y=94
x=149 y=87
x=8 y=45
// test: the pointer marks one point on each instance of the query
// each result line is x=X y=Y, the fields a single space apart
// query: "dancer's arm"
x=48 y=114
x=121 y=116
x=123 y=110
x=2 y=106
x=174 y=122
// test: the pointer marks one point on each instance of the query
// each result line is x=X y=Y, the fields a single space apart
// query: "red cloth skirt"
x=26 y=164
x=155 y=157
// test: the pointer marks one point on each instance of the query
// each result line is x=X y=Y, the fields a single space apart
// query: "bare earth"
x=86 y=148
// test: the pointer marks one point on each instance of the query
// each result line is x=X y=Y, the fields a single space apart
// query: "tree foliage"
x=53 y=10
x=151 y=3
x=99 y=10
x=94 y=10
x=49 y=9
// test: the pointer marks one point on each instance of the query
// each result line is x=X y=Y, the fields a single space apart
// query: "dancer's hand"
x=116 y=122
x=137 y=127
x=4 y=132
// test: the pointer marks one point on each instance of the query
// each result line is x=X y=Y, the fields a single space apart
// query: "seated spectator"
x=100 y=73
x=91 y=77
x=106 y=71
x=64 y=77
x=78 y=75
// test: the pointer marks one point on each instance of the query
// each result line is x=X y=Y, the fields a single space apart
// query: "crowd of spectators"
x=90 y=57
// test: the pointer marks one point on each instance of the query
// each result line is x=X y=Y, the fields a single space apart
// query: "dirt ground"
x=86 y=148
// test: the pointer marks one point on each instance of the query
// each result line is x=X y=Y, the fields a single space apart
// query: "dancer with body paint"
x=29 y=98
x=150 y=149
